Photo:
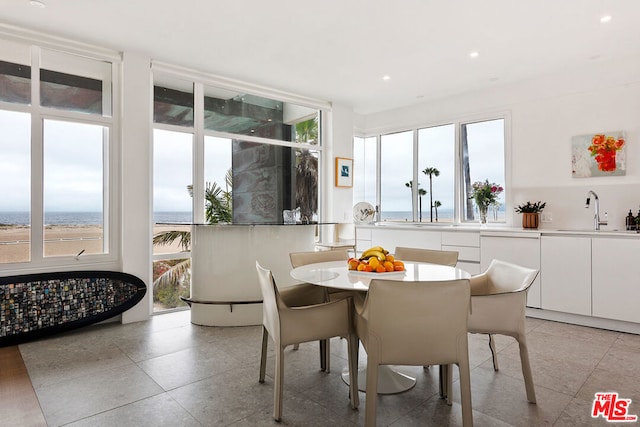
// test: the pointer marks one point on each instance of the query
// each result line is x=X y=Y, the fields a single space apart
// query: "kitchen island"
x=224 y=281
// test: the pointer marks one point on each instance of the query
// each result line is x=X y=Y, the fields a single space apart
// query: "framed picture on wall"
x=344 y=172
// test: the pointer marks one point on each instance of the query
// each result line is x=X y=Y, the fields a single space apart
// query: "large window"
x=436 y=172
x=396 y=172
x=364 y=170
x=56 y=132
x=483 y=146
x=223 y=155
x=426 y=174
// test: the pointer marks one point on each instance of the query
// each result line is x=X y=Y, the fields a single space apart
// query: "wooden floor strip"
x=19 y=404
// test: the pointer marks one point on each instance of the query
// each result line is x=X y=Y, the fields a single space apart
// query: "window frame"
x=459 y=195
x=111 y=182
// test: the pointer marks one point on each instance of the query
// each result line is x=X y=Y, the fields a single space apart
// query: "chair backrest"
x=345 y=231
x=417 y=322
x=304 y=258
x=271 y=301
x=504 y=277
x=427 y=255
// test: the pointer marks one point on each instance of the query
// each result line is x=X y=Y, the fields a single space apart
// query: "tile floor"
x=168 y=372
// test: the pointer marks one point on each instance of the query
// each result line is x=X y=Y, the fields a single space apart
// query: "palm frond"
x=166 y=238
x=173 y=275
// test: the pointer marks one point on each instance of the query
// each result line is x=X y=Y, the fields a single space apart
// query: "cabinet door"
x=566 y=274
x=390 y=238
x=522 y=250
x=615 y=275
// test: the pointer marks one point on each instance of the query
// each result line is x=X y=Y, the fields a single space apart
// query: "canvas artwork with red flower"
x=600 y=154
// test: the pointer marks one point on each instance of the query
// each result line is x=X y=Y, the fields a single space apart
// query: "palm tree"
x=219 y=202
x=307 y=131
x=436 y=205
x=307 y=169
x=421 y=192
x=431 y=172
x=307 y=183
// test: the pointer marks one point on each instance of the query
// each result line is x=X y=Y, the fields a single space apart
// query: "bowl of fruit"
x=376 y=260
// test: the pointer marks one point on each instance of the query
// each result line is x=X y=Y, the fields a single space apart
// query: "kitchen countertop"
x=494 y=229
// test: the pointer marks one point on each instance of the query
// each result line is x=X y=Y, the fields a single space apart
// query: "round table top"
x=336 y=274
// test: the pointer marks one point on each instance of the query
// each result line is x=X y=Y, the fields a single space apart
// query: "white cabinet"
x=363 y=239
x=566 y=274
x=518 y=248
x=391 y=237
x=467 y=244
x=616 y=278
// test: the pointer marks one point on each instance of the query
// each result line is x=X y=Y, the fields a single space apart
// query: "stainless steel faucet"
x=596 y=216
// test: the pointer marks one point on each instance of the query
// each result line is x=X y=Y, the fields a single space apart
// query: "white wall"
x=545 y=113
x=136 y=182
x=337 y=202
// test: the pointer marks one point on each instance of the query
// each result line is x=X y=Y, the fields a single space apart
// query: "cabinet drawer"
x=363 y=233
x=465 y=253
x=461 y=239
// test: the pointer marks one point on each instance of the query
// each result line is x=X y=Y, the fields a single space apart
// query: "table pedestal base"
x=390 y=379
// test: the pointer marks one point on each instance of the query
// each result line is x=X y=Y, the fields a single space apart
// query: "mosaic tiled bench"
x=37 y=305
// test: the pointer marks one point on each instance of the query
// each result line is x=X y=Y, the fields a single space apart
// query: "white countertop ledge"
x=497 y=229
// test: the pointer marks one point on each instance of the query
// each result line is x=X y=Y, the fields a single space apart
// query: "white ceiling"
x=338 y=50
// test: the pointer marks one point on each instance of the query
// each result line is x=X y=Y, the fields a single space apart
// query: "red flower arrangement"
x=604 y=149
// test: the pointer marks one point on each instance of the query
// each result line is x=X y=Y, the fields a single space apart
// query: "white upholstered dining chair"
x=432 y=256
x=306 y=293
x=415 y=323
x=498 y=302
x=292 y=325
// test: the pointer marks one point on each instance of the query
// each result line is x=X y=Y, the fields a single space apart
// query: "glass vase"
x=483 y=213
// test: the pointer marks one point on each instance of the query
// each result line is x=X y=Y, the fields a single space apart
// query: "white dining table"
x=336 y=275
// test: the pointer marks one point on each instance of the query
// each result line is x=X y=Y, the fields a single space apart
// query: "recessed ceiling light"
x=474 y=54
x=606 y=18
x=37 y=3
x=387 y=77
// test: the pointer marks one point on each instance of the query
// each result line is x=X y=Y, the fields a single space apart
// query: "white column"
x=136 y=177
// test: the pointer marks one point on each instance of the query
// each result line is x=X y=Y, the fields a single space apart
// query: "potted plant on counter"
x=530 y=213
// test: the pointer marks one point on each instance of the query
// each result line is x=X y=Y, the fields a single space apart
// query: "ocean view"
x=95 y=218
x=84 y=218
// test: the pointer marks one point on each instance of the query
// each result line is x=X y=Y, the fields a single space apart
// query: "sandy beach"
x=65 y=240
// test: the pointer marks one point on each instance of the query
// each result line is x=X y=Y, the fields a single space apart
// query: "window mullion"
x=198 y=155
x=415 y=189
x=37 y=155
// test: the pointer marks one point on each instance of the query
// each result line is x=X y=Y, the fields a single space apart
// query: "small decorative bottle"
x=630 y=221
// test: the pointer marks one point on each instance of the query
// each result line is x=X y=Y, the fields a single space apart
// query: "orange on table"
x=388 y=266
x=374 y=262
x=360 y=267
x=380 y=269
x=368 y=268
x=398 y=263
x=390 y=258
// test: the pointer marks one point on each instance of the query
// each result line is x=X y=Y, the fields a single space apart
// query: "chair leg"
x=323 y=355
x=443 y=374
x=449 y=384
x=446 y=382
x=372 y=392
x=526 y=369
x=263 y=355
x=494 y=353
x=465 y=393
x=277 y=389
x=353 y=343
